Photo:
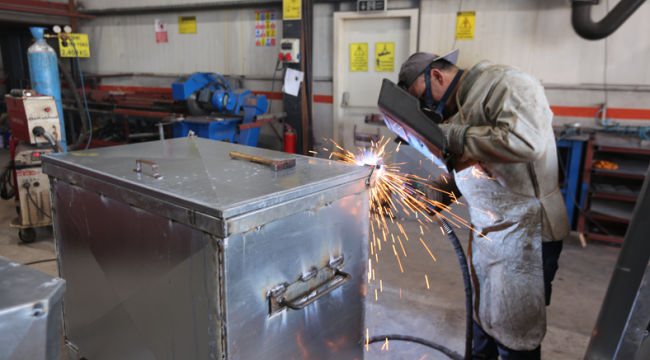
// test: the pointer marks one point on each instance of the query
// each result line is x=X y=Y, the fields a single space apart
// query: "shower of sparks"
x=393 y=191
x=402 y=245
x=426 y=247
x=385 y=345
x=381 y=286
x=368 y=339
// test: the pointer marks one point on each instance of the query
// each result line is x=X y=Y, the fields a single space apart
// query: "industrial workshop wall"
x=534 y=35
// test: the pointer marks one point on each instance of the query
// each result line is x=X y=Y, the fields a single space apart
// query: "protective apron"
x=505 y=256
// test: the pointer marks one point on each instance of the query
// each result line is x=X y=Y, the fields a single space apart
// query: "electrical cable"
x=469 y=315
x=75 y=93
x=7 y=190
x=29 y=195
x=575 y=202
x=38 y=262
x=282 y=68
x=450 y=353
x=641 y=131
x=453 y=46
x=83 y=90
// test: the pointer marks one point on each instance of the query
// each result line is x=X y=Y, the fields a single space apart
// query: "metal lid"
x=22 y=286
x=199 y=174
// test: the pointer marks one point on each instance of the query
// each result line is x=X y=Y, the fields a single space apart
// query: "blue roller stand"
x=218 y=110
x=44 y=73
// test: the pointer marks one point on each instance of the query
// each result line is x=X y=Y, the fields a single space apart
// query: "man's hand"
x=455 y=135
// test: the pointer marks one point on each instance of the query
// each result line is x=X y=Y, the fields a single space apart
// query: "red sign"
x=161 y=31
x=161 y=37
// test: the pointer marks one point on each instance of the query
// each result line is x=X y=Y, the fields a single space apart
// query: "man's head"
x=442 y=70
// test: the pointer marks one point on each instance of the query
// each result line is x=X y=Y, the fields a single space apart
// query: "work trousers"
x=489 y=348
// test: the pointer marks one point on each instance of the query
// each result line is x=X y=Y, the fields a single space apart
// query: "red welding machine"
x=27 y=112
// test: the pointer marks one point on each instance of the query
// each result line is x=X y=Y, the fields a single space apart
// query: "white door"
x=384 y=41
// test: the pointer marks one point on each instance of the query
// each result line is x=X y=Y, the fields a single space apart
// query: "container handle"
x=154 y=167
x=337 y=281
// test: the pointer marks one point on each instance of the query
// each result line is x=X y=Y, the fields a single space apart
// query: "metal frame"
x=571 y=180
x=625 y=315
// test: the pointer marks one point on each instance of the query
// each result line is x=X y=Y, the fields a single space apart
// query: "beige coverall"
x=513 y=196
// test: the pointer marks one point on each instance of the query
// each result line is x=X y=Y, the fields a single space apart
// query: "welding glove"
x=455 y=135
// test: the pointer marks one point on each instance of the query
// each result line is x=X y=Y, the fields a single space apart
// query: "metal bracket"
x=310 y=287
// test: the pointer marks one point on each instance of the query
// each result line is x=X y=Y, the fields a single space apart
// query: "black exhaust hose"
x=80 y=106
x=469 y=318
x=590 y=30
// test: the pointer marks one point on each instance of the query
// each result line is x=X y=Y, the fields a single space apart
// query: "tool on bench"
x=276 y=165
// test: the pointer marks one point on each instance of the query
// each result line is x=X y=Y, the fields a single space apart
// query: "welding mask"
x=403 y=115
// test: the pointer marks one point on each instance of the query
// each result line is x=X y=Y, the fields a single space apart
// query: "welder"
x=498 y=128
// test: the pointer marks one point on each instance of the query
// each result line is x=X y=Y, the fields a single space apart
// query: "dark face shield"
x=402 y=114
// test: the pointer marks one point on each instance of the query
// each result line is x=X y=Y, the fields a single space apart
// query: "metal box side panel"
x=140 y=286
x=282 y=251
x=30 y=312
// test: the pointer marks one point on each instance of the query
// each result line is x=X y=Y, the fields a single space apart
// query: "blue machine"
x=217 y=109
x=44 y=73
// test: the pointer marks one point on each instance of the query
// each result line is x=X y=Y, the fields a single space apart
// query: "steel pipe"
x=45 y=12
x=590 y=30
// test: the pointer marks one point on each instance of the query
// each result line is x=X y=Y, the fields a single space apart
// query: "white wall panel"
x=536 y=36
x=224 y=43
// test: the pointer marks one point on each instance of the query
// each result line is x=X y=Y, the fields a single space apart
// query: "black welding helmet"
x=402 y=114
x=420 y=63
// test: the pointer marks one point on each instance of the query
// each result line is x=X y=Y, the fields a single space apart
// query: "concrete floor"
x=436 y=313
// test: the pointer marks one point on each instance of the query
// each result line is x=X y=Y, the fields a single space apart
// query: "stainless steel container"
x=216 y=258
x=30 y=313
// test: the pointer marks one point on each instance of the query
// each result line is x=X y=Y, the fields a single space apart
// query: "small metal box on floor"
x=216 y=258
x=30 y=313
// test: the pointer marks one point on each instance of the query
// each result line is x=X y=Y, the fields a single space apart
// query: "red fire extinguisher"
x=289 y=140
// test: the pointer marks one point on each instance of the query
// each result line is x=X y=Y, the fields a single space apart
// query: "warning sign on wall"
x=465 y=21
x=265 y=27
x=80 y=42
x=292 y=10
x=187 y=24
x=359 y=57
x=385 y=57
x=161 y=31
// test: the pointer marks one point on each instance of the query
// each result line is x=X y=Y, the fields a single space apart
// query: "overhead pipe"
x=590 y=30
x=45 y=12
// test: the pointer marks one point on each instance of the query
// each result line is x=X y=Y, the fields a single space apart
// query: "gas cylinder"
x=44 y=73
x=289 y=141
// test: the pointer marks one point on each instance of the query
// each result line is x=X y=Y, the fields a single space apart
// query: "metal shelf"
x=604 y=195
x=616 y=173
x=624 y=150
x=596 y=216
x=606 y=238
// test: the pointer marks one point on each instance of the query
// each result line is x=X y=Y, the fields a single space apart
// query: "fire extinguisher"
x=289 y=140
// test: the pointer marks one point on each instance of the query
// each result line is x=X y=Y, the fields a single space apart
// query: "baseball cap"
x=418 y=62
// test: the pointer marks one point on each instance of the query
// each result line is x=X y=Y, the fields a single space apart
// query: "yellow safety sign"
x=187 y=24
x=465 y=21
x=385 y=56
x=359 y=57
x=80 y=42
x=291 y=9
